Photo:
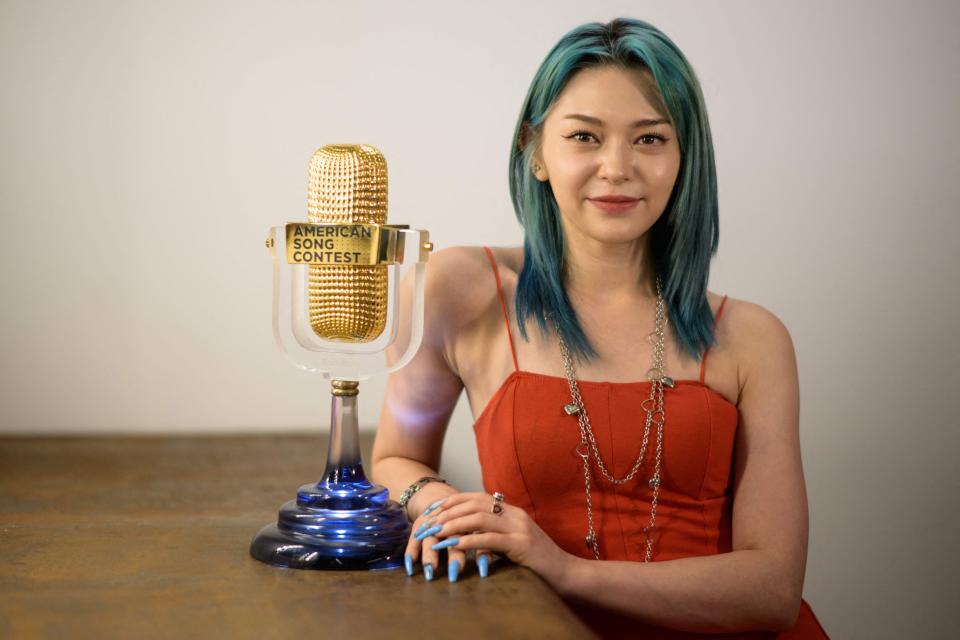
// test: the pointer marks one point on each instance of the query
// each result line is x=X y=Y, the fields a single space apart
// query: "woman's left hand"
x=468 y=518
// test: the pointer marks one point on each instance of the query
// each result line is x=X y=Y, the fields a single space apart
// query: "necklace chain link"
x=653 y=406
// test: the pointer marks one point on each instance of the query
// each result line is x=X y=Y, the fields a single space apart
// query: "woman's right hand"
x=426 y=503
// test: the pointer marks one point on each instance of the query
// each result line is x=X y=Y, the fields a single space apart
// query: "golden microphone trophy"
x=336 y=308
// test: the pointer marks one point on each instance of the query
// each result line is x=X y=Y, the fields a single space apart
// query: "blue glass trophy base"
x=344 y=521
x=336 y=525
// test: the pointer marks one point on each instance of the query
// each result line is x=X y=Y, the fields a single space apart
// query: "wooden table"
x=148 y=537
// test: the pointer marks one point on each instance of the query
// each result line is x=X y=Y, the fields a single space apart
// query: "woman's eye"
x=651 y=138
x=580 y=136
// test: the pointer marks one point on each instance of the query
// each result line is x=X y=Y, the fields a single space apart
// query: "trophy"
x=336 y=308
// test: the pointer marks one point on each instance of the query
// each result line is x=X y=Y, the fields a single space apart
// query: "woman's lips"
x=613 y=207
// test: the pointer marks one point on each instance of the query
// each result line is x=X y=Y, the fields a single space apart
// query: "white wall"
x=134 y=132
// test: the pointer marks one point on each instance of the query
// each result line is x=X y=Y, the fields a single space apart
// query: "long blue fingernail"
x=453 y=570
x=431 y=508
x=428 y=572
x=408 y=563
x=426 y=533
x=483 y=564
x=449 y=542
x=423 y=527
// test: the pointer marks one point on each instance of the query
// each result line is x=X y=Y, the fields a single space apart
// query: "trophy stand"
x=343 y=521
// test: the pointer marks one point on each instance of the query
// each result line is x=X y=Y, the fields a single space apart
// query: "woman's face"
x=603 y=137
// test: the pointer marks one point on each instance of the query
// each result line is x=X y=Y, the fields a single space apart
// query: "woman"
x=669 y=497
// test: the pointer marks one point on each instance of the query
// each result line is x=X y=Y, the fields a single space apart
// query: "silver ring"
x=497 y=507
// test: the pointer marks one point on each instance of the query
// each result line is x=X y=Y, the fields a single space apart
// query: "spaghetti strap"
x=716 y=319
x=503 y=305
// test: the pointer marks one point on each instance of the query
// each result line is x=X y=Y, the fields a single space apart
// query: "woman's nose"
x=616 y=163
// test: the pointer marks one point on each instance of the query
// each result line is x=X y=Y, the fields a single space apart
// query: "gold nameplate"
x=344 y=244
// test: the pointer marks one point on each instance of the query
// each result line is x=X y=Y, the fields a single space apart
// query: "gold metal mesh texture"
x=348 y=184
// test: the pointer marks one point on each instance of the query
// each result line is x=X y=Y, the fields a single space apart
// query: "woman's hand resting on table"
x=464 y=521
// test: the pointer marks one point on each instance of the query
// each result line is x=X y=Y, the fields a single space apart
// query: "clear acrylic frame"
x=345 y=360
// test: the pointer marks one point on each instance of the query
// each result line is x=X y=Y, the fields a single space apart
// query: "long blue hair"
x=686 y=235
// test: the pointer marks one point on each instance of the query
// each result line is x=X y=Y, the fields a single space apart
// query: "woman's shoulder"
x=747 y=319
x=752 y=336
x=509 y=260
x=464 y=265
x=460 y=281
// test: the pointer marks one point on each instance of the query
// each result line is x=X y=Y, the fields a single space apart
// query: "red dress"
x=544 y=476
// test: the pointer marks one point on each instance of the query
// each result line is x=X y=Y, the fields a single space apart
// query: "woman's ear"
x=540 y=173
x=537 y=167
x=528 y=136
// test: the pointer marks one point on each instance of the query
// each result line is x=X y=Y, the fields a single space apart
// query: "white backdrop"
x=135 y=132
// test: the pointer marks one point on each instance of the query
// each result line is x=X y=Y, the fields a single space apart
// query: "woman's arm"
x=421 y=396
x=756 y=586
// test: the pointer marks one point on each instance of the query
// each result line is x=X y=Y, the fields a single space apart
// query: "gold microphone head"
x=348 y=185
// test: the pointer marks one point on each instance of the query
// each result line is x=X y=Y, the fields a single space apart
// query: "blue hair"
x=686 y=235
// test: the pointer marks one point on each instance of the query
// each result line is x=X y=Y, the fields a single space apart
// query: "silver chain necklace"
x=653 y=406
